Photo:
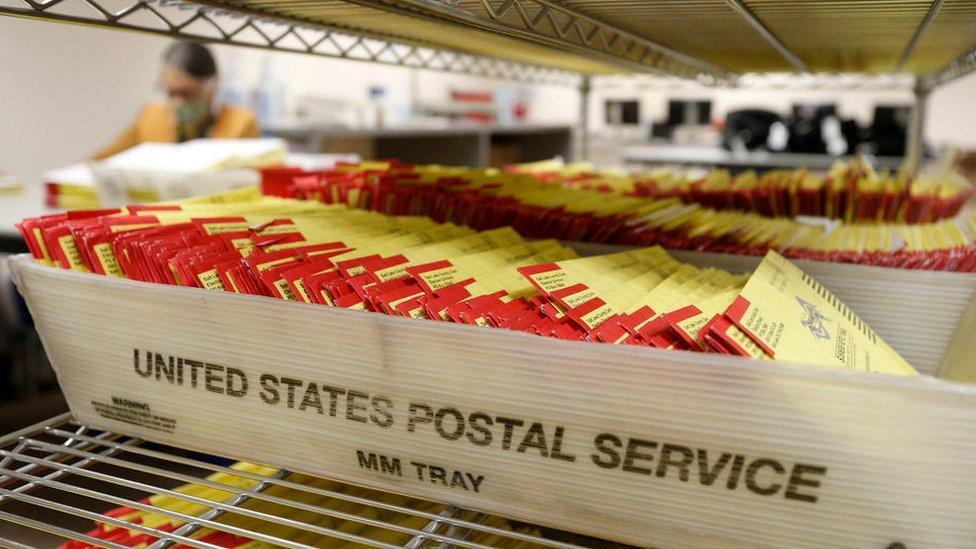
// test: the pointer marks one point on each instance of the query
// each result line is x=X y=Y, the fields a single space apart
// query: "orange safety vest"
x=157 y=123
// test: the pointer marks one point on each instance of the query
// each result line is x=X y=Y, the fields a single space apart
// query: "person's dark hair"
x=192 y=58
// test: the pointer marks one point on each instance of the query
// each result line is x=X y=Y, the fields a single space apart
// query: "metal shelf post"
x=586 y=87
x=915 y=146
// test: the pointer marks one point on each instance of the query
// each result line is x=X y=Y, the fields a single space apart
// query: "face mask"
x=190 y=116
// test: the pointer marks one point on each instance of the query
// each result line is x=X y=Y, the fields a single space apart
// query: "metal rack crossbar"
x=59 y=478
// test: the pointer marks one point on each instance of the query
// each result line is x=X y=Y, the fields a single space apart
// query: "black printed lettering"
x=735 y=472
x=753 y=470
x=292 y=384
x=269 y=389
x=633 y=453
x=135 y=364
x=421 y=468
x=683 y=463
x=159 y=363
x=796 y=481
x=708 y=476
x=236 y=388
x=382 y=411
x=211 y=378
x=608 y=458
x=352 y=406
x=510 y=425
x=479 y=423
x=413 y=417
x=535 y=437
x=195 y=366
x=334 y=393
x=391 y=466
x=457 y=480
x=557 y=446
x=456 y=423
x=437 y=474
x=672 y=462
x=367 y=461
x=312 y=399
x=475 y=481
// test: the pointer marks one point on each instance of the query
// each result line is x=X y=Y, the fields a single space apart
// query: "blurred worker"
x=189 y=78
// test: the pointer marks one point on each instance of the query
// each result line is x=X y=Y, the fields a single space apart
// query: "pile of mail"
x=850 y=191
x=414 y=266
x=538 y=207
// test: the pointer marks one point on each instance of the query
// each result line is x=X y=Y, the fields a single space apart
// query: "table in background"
x=711 y=156
x=455 y=144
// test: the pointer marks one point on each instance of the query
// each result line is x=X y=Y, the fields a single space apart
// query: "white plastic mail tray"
x=644 y=446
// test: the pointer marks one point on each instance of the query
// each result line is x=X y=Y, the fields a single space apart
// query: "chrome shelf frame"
x=223 y=24
x=54 y=465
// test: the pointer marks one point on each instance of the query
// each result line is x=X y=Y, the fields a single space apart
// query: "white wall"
x=66 y=90
x=350 y=81
x=952 y=114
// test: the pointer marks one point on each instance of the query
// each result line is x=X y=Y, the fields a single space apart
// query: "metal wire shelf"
x=226 y=25
x=555 y=24
x=554 y=41
x=58 y=477
x=716 y=41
